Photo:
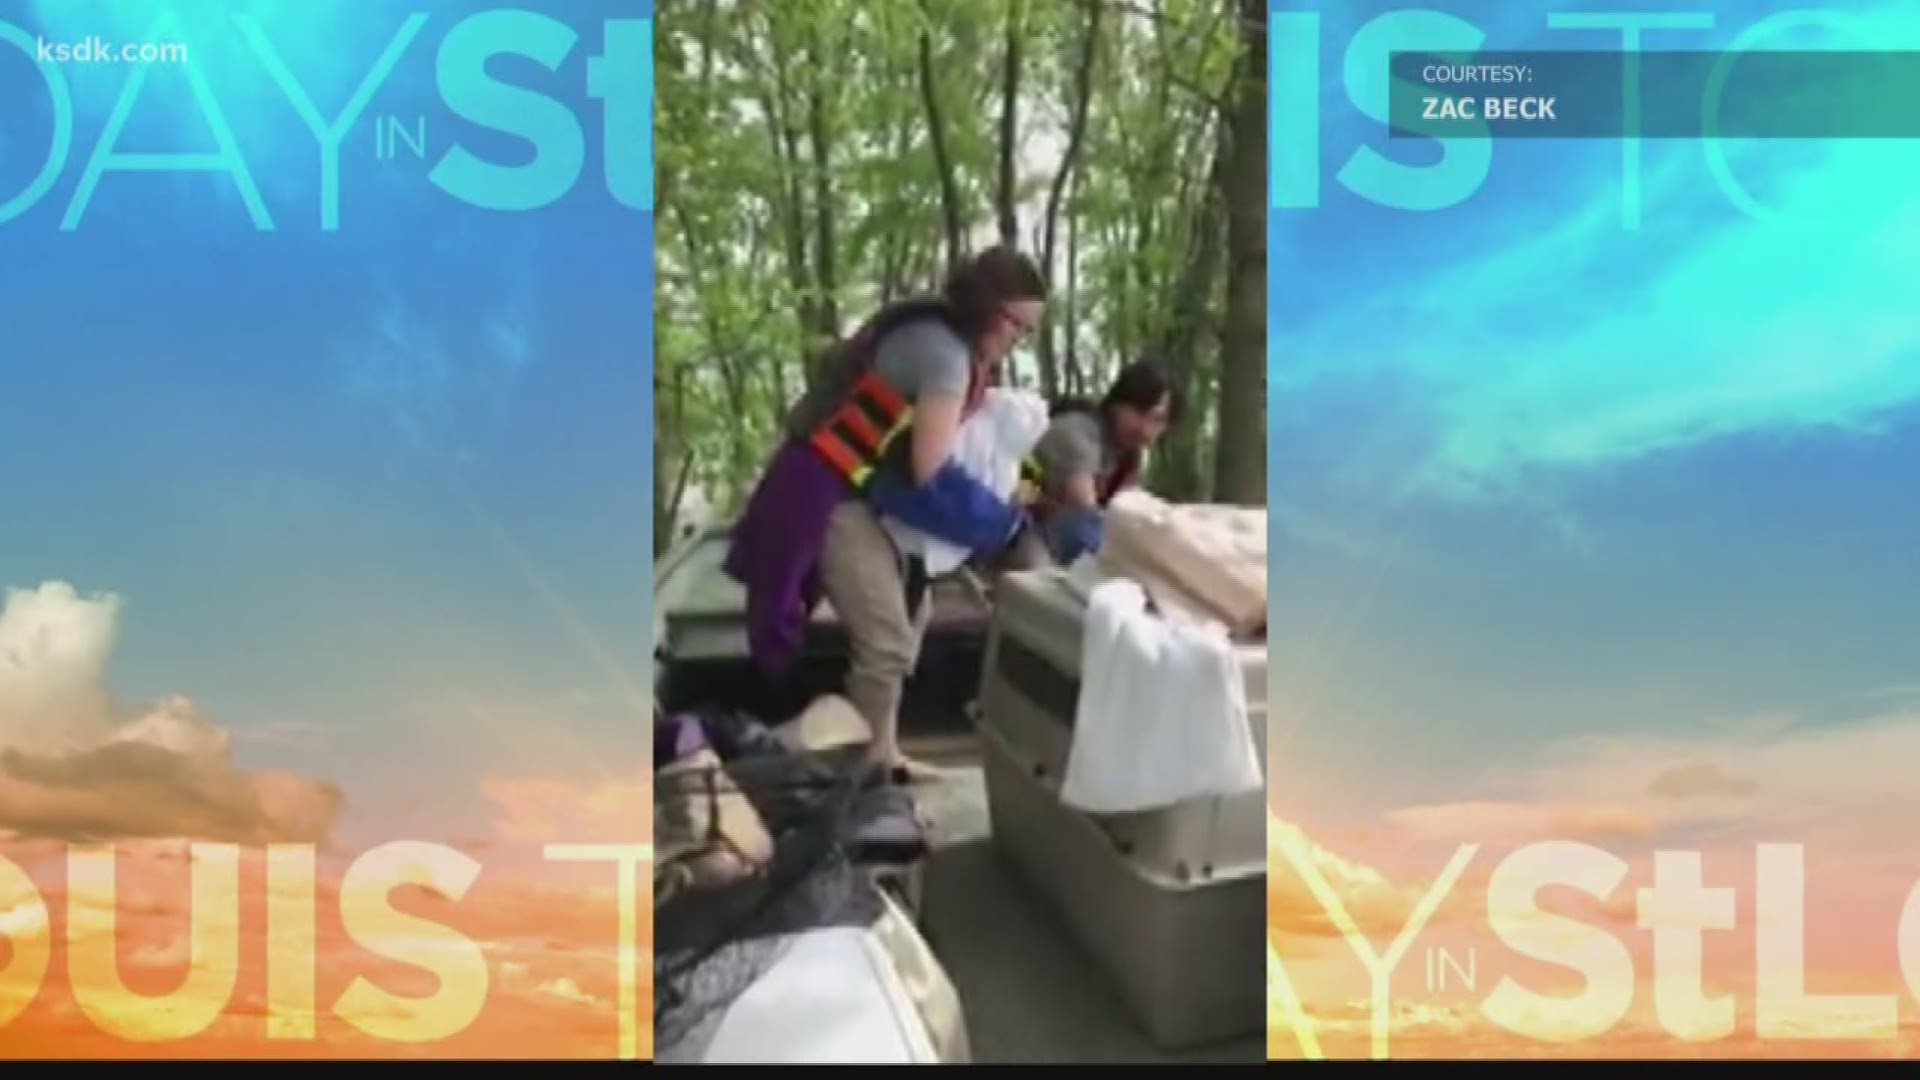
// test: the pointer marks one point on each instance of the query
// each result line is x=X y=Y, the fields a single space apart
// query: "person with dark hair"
x=1092 y=452
x=880 y=424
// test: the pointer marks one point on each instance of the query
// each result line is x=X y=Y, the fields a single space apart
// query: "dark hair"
x=1143 y=385
x=1065 y=405
x=980 y=288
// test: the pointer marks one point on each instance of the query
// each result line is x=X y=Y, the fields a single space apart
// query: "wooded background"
x=818 y=157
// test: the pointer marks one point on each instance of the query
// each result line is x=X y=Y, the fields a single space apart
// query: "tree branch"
x=1009 y=124
x=949 y=193
x=1076 y=137
x=1213 y=98
x=1255 y=24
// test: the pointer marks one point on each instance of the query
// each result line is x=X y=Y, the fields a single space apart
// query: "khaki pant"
x=863 y=577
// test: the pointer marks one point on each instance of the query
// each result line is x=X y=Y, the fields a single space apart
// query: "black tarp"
x=831 y=818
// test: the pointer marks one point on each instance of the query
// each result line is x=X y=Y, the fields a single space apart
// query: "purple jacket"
x=777 y=542
x=775 y=551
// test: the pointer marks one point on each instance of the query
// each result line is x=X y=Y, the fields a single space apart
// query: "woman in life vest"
x=884 y=414
x=1091 y=452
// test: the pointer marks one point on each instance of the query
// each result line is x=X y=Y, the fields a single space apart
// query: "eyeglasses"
x=1022 y=328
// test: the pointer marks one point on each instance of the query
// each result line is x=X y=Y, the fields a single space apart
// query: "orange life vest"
x=856 y=436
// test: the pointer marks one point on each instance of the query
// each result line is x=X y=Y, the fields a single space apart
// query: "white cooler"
x=1173 y=902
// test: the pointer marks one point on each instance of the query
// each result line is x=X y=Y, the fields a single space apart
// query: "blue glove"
x=1073 y=533
x=952 y=506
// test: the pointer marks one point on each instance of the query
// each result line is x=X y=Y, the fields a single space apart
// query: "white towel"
x=1162 y=716
x=988 y=447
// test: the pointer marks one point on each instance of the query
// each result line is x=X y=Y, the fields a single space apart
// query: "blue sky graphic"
x=1541 y=472
x=384 y=487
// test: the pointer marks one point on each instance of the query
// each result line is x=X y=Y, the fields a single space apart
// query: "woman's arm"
x=931 y=367
x=953 y=506
x=936 y=424
x=1079 y=493
x=1069 y=457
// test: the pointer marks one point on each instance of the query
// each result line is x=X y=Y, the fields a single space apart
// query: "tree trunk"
x=1009 y=126
x=780 y=396
x=733 y=373
x=826 y=307
x=1145 y=290
x=1076 y=379
x=788 y=198
x=926 y=266
x=891 y=263
x=1178 y=468
x=676 y=498
x=894 y=250
x=1240 y=475
x=943 y=166
x=672 y=459
x=1076 y=134
x=1148 y=182
x=666 y=439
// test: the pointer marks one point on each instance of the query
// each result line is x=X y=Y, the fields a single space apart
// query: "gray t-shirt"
x=924 y=359
x=1073 y=446
x=921 y=359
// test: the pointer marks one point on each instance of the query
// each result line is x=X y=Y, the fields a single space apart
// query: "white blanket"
x=989 y=447
x=1162 y=716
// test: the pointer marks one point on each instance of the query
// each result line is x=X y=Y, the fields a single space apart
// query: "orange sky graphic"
x=1837 y=794
x=79 y=770
x=548 y=933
